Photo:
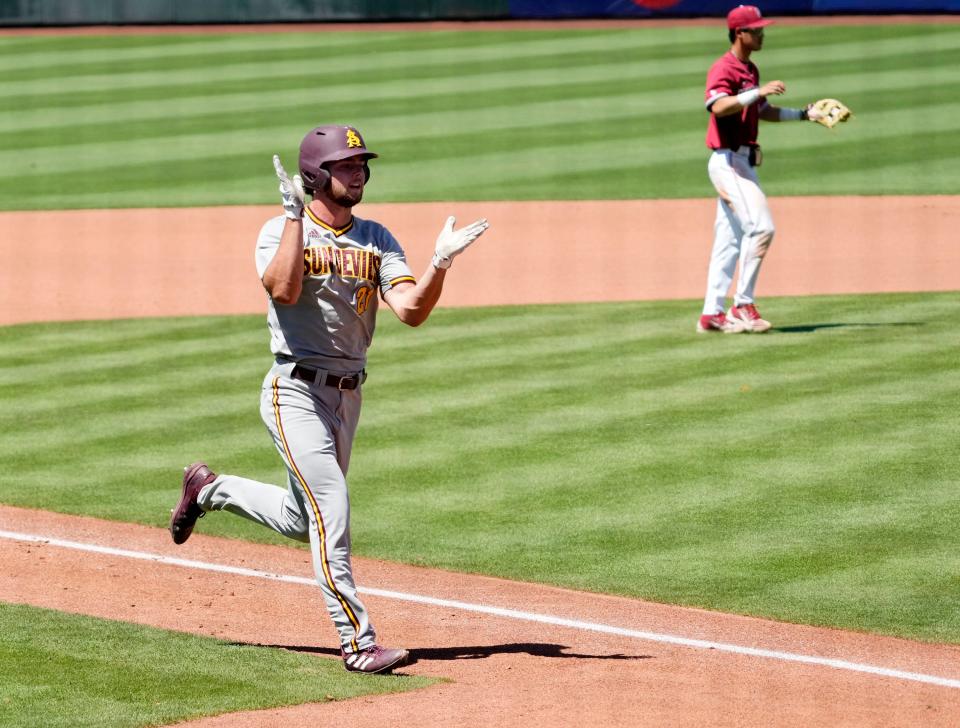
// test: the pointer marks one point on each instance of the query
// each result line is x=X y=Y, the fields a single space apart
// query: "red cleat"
x=750 y=317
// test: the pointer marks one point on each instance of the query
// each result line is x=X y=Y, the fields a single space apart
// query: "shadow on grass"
x=808 y=328
x=476 y=652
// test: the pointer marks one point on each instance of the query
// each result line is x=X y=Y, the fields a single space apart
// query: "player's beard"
x=347 y=197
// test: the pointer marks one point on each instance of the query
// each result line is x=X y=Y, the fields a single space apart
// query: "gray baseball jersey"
x=331 y=325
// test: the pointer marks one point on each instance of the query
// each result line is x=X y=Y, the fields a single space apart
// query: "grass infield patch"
x=807 y=474
x=62 y=670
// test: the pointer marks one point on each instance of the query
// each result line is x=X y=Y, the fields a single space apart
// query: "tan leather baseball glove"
x=828 y=112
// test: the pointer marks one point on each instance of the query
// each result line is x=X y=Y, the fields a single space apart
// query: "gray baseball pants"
x=312 y=428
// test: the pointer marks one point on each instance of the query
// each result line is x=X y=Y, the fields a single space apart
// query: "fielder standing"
x=323 y=269
x=744 y=226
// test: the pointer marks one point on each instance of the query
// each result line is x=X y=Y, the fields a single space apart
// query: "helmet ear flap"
x=315 y=179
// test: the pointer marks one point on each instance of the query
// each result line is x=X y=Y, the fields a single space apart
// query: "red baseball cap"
x=746 y=16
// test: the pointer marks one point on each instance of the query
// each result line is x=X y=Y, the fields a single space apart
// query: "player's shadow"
x=536 y=649
x=809 y=328
x=475 y=652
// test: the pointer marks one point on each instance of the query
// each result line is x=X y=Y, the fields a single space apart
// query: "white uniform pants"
x=312 y=428
x=743 y=229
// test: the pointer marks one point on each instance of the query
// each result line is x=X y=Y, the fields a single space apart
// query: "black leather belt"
x=311 y=375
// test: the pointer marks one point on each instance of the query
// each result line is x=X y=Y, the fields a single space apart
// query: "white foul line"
x=501 y=612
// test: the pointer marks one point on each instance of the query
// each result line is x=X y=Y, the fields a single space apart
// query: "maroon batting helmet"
x=329 y=144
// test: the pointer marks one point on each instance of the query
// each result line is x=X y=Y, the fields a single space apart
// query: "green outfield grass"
x=67 y=671
x=807 y=475
x=168 y=120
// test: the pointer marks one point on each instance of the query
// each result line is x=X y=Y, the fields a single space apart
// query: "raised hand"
x=450 y=242
x=291 y=191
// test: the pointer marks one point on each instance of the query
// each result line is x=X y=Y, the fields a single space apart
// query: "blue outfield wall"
x=886 y=6
x=130 y=12
x=717 y=8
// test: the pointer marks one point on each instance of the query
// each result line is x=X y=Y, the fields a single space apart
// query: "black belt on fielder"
x=754 y=154
x=320 y=378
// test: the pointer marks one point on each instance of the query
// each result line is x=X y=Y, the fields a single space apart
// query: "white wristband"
x=748 y=97
x=792 y=114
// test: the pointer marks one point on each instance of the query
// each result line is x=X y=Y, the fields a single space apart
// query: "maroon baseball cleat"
x=374 y=659
x=185 y=515
x=750 y=317
x=719 y=322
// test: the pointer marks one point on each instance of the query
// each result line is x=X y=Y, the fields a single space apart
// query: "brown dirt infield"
x=97 y=264
x=501 y=672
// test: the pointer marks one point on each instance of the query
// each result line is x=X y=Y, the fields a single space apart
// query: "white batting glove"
x=450 y=242
x=291 y=191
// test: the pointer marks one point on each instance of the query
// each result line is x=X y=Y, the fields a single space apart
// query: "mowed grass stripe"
x=124 y=372
x=28 y=52
x=50 y=51
x=430 y=125
x=509 y=175
x=668 y=396
x=186 y=107
x=388 y=80
x=424 y=116
x=579 y=65
x=399 y=94
x=511 y=121
x=303 y=80
x=415 y=114
x=684 y=387
x=113 y=42
x=44 y=355
x=49 y=56
x=460 y=55
x=661 y=63
x=245 y=68
x=122 y=413
x=536 y=161
x=399 y=51
x=793 y=411
x=127 y=391
x=39 y=344
x=299 y=78
x=596 y=336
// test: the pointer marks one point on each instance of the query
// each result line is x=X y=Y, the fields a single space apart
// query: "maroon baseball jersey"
x=728 y=76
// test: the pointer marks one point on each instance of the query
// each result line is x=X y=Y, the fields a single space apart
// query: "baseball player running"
x=743 y=229
x=323 y=269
